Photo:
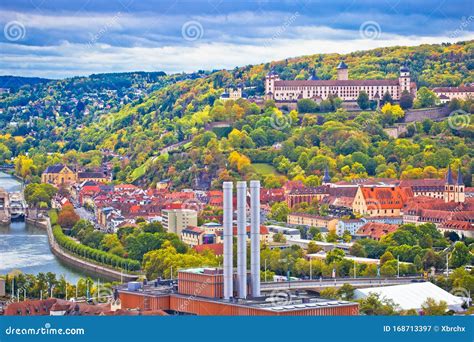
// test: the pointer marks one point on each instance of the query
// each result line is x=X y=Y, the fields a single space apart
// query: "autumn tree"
x=67 y=217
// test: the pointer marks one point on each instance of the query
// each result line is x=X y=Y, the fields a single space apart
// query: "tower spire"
x=459 y=180
x=449 y=176
x=327 y=177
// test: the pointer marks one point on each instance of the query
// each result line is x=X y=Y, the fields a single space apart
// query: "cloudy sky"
x=62 y=38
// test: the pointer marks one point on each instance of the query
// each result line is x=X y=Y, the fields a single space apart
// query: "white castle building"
x=343 y=87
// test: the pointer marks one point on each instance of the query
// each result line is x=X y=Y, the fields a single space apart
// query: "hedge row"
x=91 y=253
x=53 y=216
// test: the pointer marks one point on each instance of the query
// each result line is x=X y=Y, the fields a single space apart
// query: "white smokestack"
x=255 y=237
x=242 y=239
x=227 y=235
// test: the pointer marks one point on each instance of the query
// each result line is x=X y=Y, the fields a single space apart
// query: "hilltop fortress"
x=344 y=88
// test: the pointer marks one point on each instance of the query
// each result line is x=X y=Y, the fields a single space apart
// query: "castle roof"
x=342 y=65
x=404 y=68
x=348 y=83
x=453 y=89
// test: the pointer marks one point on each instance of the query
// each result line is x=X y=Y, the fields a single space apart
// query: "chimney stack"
x=255 y=237
x=242 y=239
x=227 y=235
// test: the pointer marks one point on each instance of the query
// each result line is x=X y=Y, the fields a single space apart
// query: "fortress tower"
x=342 y=71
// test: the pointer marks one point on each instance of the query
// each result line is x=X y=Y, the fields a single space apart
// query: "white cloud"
x=69 y=59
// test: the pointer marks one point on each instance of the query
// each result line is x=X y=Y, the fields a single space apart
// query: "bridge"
x=319 y=284
x=7 y=167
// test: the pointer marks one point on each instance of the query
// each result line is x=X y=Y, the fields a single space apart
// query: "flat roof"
x=282 y=301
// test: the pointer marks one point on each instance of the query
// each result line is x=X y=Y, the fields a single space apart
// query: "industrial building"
x=229 y=291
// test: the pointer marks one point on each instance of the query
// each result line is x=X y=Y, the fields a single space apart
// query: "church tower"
x=459 y=195
x=449 y=186
x=326 y=177
x=404 y=79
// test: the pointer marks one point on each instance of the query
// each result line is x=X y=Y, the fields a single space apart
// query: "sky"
x=65 y=38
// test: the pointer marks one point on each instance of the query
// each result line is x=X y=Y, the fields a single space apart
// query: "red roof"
x=217 y=248
x=457 y=225
x=383 y=197
x=376 y=230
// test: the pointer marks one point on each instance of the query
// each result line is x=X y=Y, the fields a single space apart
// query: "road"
x=87 y=215
x=323 y=283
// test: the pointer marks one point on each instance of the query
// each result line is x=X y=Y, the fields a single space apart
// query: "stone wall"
x=436 y=113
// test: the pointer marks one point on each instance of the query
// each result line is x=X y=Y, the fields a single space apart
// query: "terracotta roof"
x=376 y=230
x=217 y=248
x=457 y=225
x=383 y=197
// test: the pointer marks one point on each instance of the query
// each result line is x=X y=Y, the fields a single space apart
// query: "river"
x=24 y=247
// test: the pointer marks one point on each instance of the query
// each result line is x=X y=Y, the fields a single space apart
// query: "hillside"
x=146 y=113
x=13 y=83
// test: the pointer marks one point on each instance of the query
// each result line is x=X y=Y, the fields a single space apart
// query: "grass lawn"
x=264 y=169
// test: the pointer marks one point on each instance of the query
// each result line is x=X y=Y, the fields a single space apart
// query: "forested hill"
x=146 y=113
x=13 y=83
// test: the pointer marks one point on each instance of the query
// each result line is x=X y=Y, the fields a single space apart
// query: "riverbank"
x=78 y=262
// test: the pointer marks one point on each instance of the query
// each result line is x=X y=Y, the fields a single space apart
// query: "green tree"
x=373 y=305
x=335 y=255
x=460 y=255
x=431 y=307
x=346 y=292
x=307 y=106
x=279 y=211
x=387 y=256
x=363 y=100
x=425 y=98
x=406 y=100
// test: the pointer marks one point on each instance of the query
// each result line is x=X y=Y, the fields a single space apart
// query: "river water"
x=24 y=247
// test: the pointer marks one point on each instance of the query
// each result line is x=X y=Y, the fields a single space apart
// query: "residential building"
x=462 y=228
x=310 y=220
x=175 y=220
